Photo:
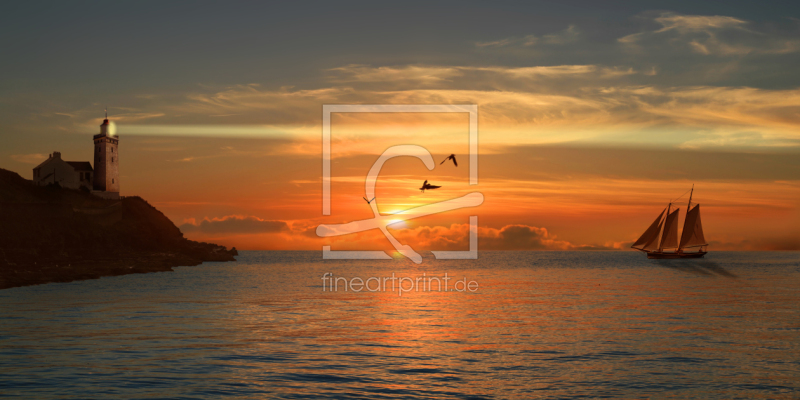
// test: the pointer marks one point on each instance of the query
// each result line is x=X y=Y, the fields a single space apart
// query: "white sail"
x=669 y=239
x=692 y=235
x=648 y=239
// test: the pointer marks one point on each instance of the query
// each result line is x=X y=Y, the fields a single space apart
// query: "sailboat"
x=691 y=237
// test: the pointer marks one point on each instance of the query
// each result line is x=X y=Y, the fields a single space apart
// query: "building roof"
x=42 y=163
x=49 y=159
x=83 y=166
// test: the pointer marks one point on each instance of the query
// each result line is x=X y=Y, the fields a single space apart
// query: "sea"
x=509 y=325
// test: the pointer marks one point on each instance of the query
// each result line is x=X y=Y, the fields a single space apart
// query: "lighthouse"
x=106 y=161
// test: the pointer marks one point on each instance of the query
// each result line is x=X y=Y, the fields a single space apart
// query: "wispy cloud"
x=513 y=101
x=416 y=73
x=455 y=75
x=509 y=237
x=453 y=237
x=537 y=71
x=709 y=35
x=35 y=158
x=569 y=35
x=244 y=131
x=526 y=41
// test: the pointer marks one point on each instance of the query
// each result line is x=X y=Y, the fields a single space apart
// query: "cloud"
x=415 y=73
x=697 y=23
x=509 y=237
x=434 y=74
x=721 y=106
x=234 y=224
x=133 y=116
x=787 y=243
x=539 y=101
x=518 y=104
x=538 y=71
x=613 y=72
x=526 y=41
x=569 y=35
x=90 y=116
x=745 y=139
x=29 y=158
x=521 y=237
x=708 y=35
x=301 y=234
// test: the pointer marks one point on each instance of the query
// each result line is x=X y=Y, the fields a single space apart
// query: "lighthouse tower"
x=106 y=161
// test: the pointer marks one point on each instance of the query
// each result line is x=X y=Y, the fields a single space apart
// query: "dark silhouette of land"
x=51 y=234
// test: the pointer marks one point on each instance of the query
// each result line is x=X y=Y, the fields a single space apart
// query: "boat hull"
x=663 y=255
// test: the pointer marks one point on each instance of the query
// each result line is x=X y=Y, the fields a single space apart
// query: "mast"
x=686 y=218
x=661 y=243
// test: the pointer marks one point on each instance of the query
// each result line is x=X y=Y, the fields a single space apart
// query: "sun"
x=397 y=223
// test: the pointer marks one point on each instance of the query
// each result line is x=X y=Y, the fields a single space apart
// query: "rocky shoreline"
x=51 y=234
x=26 y=273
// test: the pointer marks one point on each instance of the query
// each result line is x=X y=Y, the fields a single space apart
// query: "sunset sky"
x=591 y=116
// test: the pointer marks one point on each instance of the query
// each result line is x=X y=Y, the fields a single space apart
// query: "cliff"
x=51 y=234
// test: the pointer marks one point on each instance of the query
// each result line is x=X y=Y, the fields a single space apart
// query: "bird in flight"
x=368 y=201
x=450 y=157
x=427 y=186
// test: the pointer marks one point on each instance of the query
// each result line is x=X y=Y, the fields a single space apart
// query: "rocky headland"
x=52 y=234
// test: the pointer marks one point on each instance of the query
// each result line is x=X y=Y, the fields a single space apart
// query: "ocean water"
x=538 y=325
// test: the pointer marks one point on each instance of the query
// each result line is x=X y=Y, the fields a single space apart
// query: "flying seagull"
x=450 y=157
x=428 y=186
x=368 y=201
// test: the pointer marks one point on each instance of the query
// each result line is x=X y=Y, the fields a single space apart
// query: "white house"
x=102 y=180
x=68 y=174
